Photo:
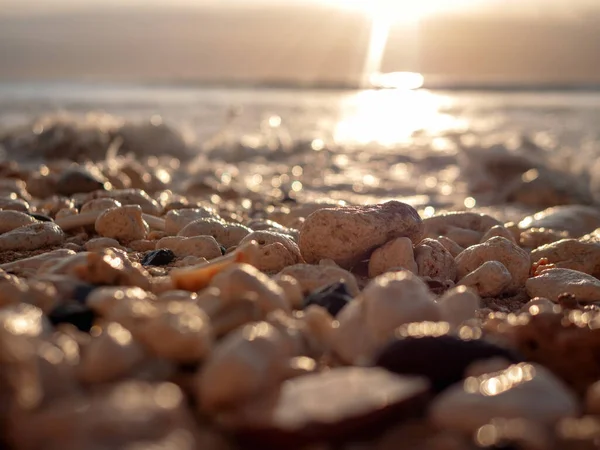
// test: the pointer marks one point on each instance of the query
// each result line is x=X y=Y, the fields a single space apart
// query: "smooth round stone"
x=443 y=360
x=160 y=257
x=340 y=404
x=333 y=298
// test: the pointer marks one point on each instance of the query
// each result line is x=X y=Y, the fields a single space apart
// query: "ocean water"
x=435 y=149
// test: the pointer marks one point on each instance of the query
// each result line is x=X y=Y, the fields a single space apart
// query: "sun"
x=405 y=10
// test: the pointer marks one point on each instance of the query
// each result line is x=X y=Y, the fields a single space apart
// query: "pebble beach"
x=283 y=278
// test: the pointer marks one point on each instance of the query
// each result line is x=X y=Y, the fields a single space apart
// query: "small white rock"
x=490 y=279
x=109 y=356
x=32 y=237
x=393 y=254
x=124 y=224
x=313 y=277
x=458 y=305
x=199 y=246
x=553 y=282
x=100 y=243
x=434 y=261
x=9 y=220
x=514 y=258
x=527 y=391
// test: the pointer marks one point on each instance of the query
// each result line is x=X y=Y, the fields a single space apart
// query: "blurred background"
x=301 y=42
x=436 y=101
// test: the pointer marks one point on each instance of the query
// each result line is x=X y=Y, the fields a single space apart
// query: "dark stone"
x=41 y=217
x=81 y=292
x=160 y=257
x=442 y=359
x=332 y=297
x=75 y=181
x=223 y=250
x=74 y=313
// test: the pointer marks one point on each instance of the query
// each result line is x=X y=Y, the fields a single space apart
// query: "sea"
x=434 y=148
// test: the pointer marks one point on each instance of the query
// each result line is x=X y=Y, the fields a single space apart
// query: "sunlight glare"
x=404 y=10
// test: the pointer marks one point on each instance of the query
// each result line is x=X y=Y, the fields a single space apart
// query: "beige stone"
x=434 y=261
x=514 y=258
x=490 y=279
x=349 y=234
x=553 y=282
x=32 y=237
x=313 y=277
x=393 y=254
x=464 y=228
x=125 y=224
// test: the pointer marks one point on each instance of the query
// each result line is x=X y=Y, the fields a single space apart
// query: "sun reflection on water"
x=391 y=117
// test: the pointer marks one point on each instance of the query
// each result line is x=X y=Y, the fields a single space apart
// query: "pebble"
x=336 y=405
x=76 y=180
x=32 y=237
x=369 y=321
x=526 y=391
x=576 y=220
x=159 y=257
x=349 y=234
x=125 y=224
x=177 y=219
x=110 y=355
x=13 y=204
x=292 y=290
x=276 y=250
x=421 y=355
x=490 y=279
x=464 y=228
x=243 y=364
x=239 y=280
x=497 y=230
x=581 y=255
x=181 y=332
x=100 y=243
x=514 y=258
x=133 y=197
x=397 y=253
x=333 y=298
x=450 y=245
x=9 y=220
x=537 y=237
x=198 y=246
x=551 y=283
x=458 y=305
x=35 y=262
x=434 y=261
x=226 y=234
x=312 y=278
x=99 y=204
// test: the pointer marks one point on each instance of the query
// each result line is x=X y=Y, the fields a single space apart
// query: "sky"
x=296 y=41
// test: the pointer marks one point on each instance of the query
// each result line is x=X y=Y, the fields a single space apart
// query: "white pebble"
x=514 y=258
x=199 y=246
x=527 y=391
x=490 y=279
x=32 y=237
x=397 y=253
x=553 y=282
x=124 y=224
x=458 y=305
